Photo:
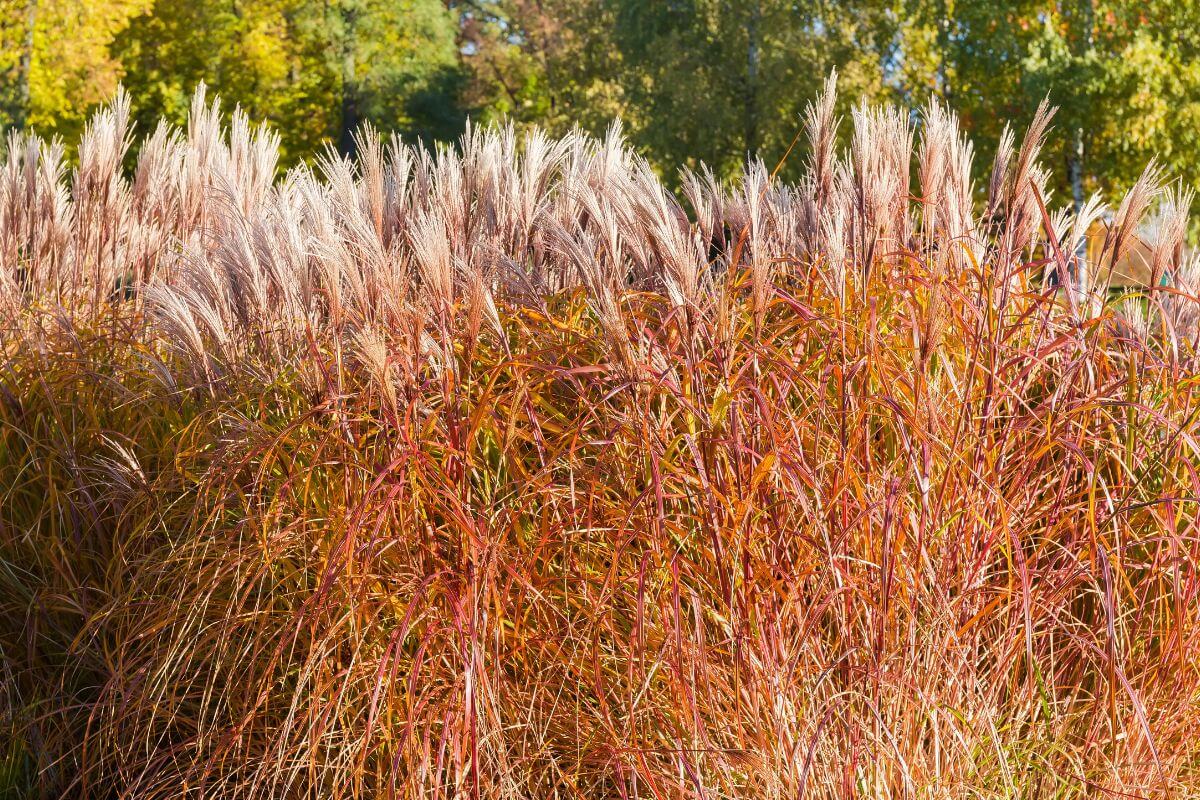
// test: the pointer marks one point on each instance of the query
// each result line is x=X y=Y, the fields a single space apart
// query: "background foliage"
x=692 y=80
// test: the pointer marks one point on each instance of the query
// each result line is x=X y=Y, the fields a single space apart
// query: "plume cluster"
x=502 y=471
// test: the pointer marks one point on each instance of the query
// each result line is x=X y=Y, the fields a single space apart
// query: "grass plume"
x=500 y=472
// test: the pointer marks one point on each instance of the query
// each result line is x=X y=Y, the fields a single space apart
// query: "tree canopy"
x=713 y=81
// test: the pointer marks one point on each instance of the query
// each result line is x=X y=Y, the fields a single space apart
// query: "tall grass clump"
x=501 y=472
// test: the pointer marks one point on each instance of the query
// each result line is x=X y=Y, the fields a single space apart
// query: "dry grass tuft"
x=497 y=472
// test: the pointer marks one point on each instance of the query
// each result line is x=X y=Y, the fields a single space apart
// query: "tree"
x=396 y=65
x=721 y=81
x=56 y=54
x=694 y=80
x=1125 y=81
x=549 y=62
x=245 y=51
x=315 y=69
x=20 y=109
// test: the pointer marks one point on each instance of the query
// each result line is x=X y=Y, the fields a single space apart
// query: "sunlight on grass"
x=499 y=472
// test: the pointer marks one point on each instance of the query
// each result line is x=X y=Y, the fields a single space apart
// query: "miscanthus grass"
x=500 y=472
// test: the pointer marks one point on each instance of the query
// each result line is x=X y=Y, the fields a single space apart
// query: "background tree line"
x=693 y=80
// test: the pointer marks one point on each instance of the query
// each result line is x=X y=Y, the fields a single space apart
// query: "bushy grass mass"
x=503 y=472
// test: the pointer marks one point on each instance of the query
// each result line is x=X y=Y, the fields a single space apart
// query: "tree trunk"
x=943 y=70
x=1075 y=175
x=21 y=111
x=751 y=95
x=351 y=113
x=1075 y=149
x=1075 y=168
